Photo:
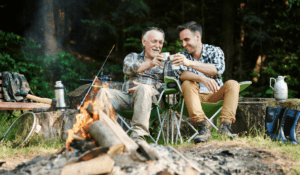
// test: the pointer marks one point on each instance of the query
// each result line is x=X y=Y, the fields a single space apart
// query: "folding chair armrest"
x=171 y=90
x=244 y=85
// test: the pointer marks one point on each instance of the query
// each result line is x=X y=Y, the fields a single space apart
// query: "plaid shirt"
x=153 y=76
x=211 y=55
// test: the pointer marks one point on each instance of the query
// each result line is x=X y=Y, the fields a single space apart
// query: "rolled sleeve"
x=131 y=64
x=218 y=60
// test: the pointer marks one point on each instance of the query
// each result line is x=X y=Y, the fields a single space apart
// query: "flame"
x=98 y=101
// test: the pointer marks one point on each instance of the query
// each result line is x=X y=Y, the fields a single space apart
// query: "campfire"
x=97 y=144
x=98 y=138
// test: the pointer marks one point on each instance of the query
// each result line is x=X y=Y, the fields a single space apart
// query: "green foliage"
x=41 y=72
x=287 y=65
x=9 y=40
x=69 y=69
x=172 y=47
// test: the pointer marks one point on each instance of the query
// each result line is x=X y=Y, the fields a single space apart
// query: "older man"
x=201 y=67
x=144 y=75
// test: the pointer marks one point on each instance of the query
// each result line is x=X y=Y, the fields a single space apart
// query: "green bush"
x=24 y=56
x=70 y=70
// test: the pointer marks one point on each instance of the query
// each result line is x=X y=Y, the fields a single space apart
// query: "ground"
x=14 y=160
x=225 y=157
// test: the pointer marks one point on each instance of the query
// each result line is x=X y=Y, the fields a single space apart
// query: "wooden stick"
x=119 y=132
x=99 y=165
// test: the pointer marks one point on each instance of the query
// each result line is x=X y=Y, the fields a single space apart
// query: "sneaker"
x=204 y=132
x=225 y=129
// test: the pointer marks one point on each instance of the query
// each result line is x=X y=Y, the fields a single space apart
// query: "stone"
x=250 y=115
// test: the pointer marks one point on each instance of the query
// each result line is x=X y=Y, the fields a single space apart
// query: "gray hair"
x=148 y=29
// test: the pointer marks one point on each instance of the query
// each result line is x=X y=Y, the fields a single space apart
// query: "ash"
x=208 y=159
x=169 y=161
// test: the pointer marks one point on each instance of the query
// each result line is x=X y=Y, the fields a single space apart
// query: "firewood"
x=102 y=133
x=95 y=152
x=76 y=137
x=99 y=165
x=116 y=149
x=130 y=145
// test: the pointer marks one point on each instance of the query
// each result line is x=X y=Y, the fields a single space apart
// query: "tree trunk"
x=228 y=36
x=49 y=26
x=203 y=20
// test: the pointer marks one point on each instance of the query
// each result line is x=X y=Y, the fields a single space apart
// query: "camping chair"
x=211 y=110
x=156 y=112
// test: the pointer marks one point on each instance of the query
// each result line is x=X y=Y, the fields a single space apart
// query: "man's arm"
x=211 y=84
x=216 y=65
x=149 y=63
x=132 y=66
x=205 y=68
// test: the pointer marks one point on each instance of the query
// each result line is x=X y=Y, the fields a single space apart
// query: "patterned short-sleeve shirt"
x=210 y=54
x=153 y=76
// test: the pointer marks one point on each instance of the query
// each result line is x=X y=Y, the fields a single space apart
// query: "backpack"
x=13 y=82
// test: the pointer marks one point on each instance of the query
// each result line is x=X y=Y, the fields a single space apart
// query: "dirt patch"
x=237 y=157
x=14 y=160
x=230 y=157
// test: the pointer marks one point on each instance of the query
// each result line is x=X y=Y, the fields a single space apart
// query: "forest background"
x=68 y=40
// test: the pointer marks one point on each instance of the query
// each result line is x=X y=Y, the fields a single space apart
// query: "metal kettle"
x=60 y=96
x=280 y=88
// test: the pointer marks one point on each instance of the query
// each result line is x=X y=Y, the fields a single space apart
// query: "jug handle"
x=271 y=82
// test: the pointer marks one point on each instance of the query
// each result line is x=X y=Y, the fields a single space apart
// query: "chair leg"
x=129 y=127
x=180 y=118
x=161 y=127
x=124 y=122
x=178 y=129
x=210 y=119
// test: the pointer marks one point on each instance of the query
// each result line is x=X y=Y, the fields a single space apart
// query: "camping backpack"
x=13 y=82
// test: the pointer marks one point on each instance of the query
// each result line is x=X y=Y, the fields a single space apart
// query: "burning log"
x=103 y=134
x=111 y=151
x=99 y=165
x=111 y=133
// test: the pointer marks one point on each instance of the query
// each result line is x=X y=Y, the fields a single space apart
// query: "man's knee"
x=187 y=84
x=144 y=89
x=232 y=84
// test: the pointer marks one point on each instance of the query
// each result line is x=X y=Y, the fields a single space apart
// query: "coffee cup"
x=166 y=55
x=173 y=66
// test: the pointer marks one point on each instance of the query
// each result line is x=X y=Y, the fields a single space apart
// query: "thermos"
x=60 y=96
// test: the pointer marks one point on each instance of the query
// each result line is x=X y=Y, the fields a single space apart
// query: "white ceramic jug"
x=280 y=88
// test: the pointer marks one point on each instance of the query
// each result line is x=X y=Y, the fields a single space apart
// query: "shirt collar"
x=204 y=50
x=142 y=55
x=203 y=54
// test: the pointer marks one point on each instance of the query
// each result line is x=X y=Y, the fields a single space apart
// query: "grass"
x=37 y=143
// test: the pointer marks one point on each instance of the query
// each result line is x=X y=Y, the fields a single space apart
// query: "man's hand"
x=180 y=59
x=132 y=90
x=211 y=84
x=157 y=61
